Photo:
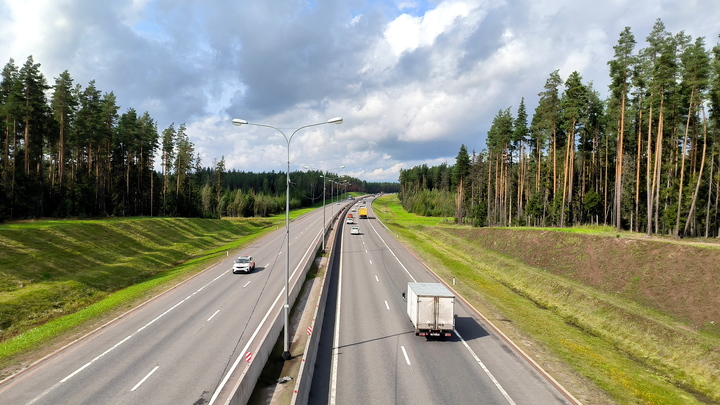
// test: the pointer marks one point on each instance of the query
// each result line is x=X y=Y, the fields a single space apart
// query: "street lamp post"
x=324 y=223
x=238 y=122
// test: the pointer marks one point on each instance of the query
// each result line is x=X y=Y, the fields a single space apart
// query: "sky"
x=413 y=80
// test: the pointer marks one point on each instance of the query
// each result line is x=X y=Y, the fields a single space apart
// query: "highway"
x=177 y=347
x=369 y=352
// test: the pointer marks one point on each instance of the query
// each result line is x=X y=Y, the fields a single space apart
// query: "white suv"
x=244 y=264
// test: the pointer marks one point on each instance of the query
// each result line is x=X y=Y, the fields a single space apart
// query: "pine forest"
x=76 y=155
x=646 y=159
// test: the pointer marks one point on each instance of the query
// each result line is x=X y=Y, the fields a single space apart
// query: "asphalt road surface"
x=369 y=352
x=176 y=348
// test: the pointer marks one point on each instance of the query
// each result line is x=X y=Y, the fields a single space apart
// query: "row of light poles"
x=324 y=230
x=239 y=122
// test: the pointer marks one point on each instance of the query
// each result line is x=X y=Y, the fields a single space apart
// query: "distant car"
x=244 y=264
x=350 y=221
x=355 y=230
x=352 y=209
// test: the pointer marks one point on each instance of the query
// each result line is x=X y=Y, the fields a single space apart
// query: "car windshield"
x=242 y=260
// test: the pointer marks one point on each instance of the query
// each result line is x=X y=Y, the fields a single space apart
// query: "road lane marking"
x=121 y=342
x=391 y=251
x=262 y=323
x=492 y=377
x=386 y=305
x=376 y=278
x=370 y=261
x=407 y=359
x=143 y=380
x=336 y=337
x=246 y=284
x=213 y=315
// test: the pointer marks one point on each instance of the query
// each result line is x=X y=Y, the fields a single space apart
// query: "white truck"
x=431 y=308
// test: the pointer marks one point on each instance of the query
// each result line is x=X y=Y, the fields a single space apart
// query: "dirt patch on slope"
x=679 y=279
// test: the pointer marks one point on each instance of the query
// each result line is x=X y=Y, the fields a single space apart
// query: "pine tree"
x=696 y=76
x=460 y=174
x=34 y=114
x=63 y=105
x=573 y=104
x=620 y=73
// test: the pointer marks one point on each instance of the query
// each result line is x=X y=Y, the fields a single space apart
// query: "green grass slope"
x=49 y=269
x=631 y=317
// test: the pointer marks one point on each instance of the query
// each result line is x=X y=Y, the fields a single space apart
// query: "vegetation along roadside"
x=622 y=312
x=61 y=277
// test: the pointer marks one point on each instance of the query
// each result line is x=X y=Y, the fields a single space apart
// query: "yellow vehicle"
x=362 y=212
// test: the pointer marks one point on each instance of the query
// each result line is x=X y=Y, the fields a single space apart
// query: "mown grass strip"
x=187 y=257
x=573 y=330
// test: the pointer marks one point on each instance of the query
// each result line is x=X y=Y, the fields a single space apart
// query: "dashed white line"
x=386 y=305
x=407 y=359
x=370 y=261
x=213 y=315
x=146 y=377
x=34 y=400
x=489 y=374
x=248 y=283
x=376 y=278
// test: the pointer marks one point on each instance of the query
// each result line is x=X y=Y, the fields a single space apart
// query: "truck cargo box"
x=431 y=308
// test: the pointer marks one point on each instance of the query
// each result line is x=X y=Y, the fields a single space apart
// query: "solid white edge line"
x=37 y=398
x=489 y=374
x=407 y=359
x=391 y=252
x=146 y=377
x=213 y=315
x=336 y=338
x=257 y=330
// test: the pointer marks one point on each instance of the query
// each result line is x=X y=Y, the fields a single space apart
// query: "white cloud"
x=412 y=79
x=407 y=33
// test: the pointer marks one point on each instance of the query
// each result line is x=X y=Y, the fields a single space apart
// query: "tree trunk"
x=6 y=152
x=649 y=184
x=27 y=146
x=691 y=213
x=619 y=168
x=565 y=180
x=61 y=152
x=709 y=203
x=554 y=162
x=637 y=174
x=605 y=182
x=459 y=202
x=656 y=173
x=682 y=165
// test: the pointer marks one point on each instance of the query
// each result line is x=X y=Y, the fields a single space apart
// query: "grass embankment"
x=57 y=275
x=593 y=303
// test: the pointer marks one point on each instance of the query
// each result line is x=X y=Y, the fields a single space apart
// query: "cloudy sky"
x=412 y=79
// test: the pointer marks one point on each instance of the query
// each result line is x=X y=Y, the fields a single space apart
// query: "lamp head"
x=336 y=120
x=238 y=122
